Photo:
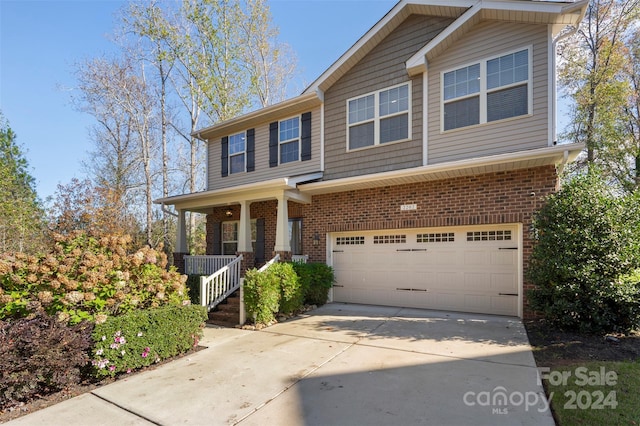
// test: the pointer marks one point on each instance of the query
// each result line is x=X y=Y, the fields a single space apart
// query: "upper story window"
x=237 y=149
x=491 y=90
x=378 y=118
x=238 y=153
x=289 y=140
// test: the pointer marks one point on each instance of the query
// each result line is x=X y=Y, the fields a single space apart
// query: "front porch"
x=256 y=221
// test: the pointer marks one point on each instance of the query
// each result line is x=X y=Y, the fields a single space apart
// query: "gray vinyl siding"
x=490 y=39
x=383 y=67
x=262 y=170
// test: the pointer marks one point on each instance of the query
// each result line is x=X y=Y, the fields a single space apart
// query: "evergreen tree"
x=21 y=214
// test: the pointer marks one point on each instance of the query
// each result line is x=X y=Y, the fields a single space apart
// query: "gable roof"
x=466 y=12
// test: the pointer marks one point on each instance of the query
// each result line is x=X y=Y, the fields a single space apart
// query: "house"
x=412 y=165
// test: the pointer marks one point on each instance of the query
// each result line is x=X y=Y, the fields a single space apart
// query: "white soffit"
x=496 y=163
x=259 y=191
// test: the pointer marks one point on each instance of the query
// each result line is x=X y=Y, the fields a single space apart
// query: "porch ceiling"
x=557 y=155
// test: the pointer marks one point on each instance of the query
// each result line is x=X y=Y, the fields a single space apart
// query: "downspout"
x=565 y=159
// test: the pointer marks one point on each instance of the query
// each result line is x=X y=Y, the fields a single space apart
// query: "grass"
x=595 y=393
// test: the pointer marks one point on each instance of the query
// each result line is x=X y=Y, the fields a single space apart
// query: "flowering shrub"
x=40 y=355
x=88 y=278
x=141 y=338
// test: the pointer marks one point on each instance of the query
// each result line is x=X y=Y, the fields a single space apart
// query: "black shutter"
x=306 y=137
x=217 y=238
x=251 y=150
x=273 y=144
x=225 y=156
x=259 y=252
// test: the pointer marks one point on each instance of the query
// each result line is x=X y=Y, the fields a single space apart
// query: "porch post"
x=244 y=228
x=282 y=225
x=181 y=237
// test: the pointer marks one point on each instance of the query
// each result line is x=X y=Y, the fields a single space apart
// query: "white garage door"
x=471 y=269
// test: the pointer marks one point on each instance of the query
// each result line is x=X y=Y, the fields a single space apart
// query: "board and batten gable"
x=487 y=40
x=381 y=68
x=263 y=171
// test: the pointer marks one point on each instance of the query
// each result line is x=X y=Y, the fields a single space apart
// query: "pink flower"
x=112 y=368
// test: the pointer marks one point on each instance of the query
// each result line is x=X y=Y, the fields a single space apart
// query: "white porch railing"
x=269 y=263
x=301 y=258
x=217 y=287
x=205 y=265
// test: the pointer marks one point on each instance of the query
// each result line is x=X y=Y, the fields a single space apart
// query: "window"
x=349 y=241
x=379 y=118
x=491 y=90
x=289 y=140
x=489 y=236
x=237 y=148
x=230 y=236
x=389 y=239
x=436 y=237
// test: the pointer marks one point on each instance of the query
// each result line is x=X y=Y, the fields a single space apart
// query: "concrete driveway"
x=338 y=365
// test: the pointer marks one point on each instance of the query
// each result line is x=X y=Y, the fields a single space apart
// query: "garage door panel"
x=504 y=305
x=477 y=303
x=504 y=257
x=462 y=269
x=477 y=281
x=444 y=257
x=475 y=257
x=504 y=283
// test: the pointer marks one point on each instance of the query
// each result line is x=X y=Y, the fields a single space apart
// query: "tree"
x=21 y=213
x=183 y=67
x=270 y=63
x=594 y=75
x=118 y=95
x=147 y=21
x=81 y=206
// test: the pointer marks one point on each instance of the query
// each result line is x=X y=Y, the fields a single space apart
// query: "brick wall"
x=493 y=198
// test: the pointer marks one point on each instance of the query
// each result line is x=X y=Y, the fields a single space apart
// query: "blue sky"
x=40 y=41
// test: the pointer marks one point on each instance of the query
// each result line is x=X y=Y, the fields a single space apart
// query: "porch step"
x=226 y=314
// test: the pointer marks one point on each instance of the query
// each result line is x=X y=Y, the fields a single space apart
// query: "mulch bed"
x=553 y=348
x=44 y=401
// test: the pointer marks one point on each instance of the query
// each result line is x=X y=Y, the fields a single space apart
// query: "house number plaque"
x=406 y=207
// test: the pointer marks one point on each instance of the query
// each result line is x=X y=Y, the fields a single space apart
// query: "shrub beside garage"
x=284 y=288
x=585 y=262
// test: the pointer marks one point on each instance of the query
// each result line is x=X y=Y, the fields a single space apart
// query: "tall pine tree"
x=21 y=214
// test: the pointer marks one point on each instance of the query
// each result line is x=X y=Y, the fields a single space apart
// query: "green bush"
x=291 y=294
x=88 y=278
x=40 y=355
x=193 y=288
x=316 y=279
x=585 y=257
x=261 y=295
x=141 y=338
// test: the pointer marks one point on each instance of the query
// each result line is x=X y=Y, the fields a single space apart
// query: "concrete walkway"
x=338 y=365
